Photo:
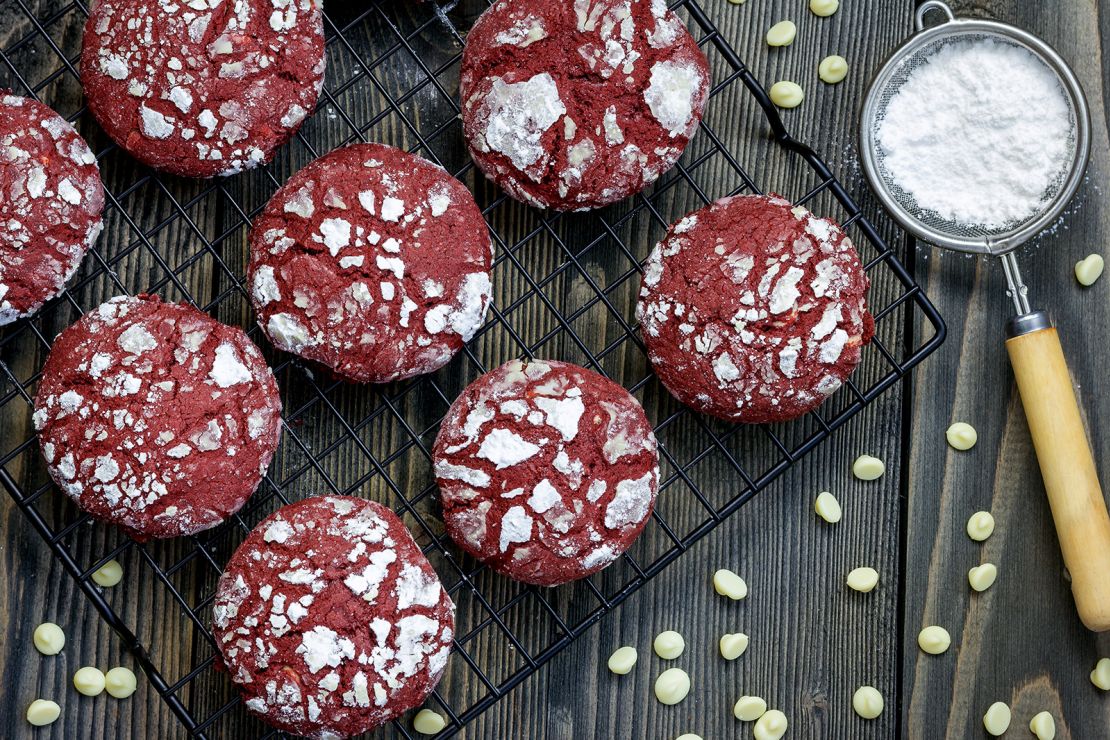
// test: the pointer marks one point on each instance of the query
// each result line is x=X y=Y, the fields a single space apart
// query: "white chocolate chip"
x=120 y=682
x=868 y=702
x=771 y=726
x=934 y=640
x=749 y=708
x=89 y=681
x=672 y=686
x=961 y=436
x=1100 y=676
x=1043 y=726
x=863 y=579
x=980 y=526
x=833 y=69
x=827 y=507
x=109 y=574
x=733 y=646
x=997 y=719
x=42 y=712
x=622 y=660
x=49 y=638
x=1089 y=269
x=824 y=8
x=786 y=94
x=427 y=722
x=727 y=583
x=782 y=33
x=669 y=645
x=867 y=467
x=982 y=577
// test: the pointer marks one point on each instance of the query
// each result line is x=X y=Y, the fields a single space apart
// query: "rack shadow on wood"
x=565 y=286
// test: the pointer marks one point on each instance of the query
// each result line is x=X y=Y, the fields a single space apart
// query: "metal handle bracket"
x=923 y=10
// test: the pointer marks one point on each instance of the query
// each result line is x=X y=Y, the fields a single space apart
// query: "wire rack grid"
x=565 y=285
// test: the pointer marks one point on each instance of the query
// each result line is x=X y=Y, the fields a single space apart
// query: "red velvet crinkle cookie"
x=51 y=200
x=330 y=619
x=200 y=88
x=754 y=310
x=156 y=417
x=547 y=471
x=372 y=262
x=576 y=105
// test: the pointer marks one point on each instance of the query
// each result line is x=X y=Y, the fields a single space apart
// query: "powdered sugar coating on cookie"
x=50 y=208
x=203 y=87
x=547 y=471
x=155 y=417
x=372 y=262
x=575 y=105
x=754 y=310
x=330 y=619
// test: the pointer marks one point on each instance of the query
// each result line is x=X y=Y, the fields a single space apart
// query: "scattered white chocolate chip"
x=824 y=8
x=1089 y=269
x=786 y=94
x=749 y=708
x=770 y=726
x=868 y=702
x=109 y=574
x=733 y=646
x=1100 y=676
x=89 y=681
x=120 y=682
x=997 y=719
x=961 y=436
x=727 y=583
x=49 y=638
x=427 y=722
x=42 y=712
x=863 y=579
x=622 y=660
x=934 y=640
x=980 y=526
x=827 y=507
x=782 y=33
x=833 y=69
x=672 y=686
x=982 y=576
x=669 y=645
x=867 y=467
x=1043 y=726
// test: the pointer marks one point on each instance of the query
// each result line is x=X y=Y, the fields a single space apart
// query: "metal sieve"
x=1055 y=422
x=929 y=226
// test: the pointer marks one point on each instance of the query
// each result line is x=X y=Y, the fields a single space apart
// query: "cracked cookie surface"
x=200 y=88
x=156 y=417
x=754 y=310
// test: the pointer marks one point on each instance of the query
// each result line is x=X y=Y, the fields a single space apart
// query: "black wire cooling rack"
x=565 y=286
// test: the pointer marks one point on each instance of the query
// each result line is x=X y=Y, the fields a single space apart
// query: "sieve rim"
x=951 y=28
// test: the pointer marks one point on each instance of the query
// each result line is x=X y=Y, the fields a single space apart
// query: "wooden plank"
x=813 y=641
x=38 y=588
x=1020 y=642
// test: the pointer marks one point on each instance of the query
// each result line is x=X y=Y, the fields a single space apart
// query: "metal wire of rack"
x=564 y=287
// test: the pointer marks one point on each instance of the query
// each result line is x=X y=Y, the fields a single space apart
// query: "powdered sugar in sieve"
x=980 y=133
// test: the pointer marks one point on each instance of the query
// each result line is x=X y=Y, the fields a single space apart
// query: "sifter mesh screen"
x=930 y=222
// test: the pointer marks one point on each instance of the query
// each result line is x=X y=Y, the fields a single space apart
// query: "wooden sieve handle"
x=1067 y=465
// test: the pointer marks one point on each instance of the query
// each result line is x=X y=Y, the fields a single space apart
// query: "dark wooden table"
x=812 y=640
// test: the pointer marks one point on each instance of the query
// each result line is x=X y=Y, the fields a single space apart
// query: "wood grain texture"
x=813 y=640
x=1021 y=641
